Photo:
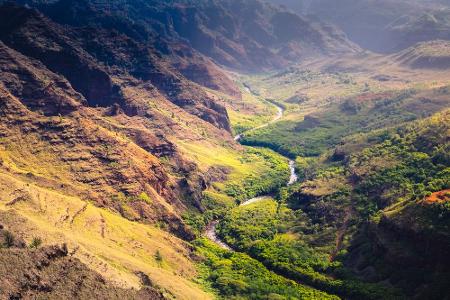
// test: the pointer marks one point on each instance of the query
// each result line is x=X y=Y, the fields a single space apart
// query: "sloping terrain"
x=73 y=53
x=59 y=156
x=51 y=273
x=56 y=147
x=427 y=55
x=382 y=26
x=326 y=100
x=120 y=250
x=248 y=35
x=87 y=142
x=423 y=26
x=116 y=142
x=407 y=241
x=106 y=144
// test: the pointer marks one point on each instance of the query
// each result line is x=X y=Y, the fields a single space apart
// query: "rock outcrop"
x=51 y=272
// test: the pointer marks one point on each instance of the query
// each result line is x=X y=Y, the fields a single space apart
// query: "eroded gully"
x=211 y=229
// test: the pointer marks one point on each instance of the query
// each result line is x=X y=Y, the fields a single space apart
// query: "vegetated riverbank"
x=210 y=232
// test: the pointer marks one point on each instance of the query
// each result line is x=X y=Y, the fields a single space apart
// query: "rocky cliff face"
x=86 y=100
x=38 y=88
x=98 y=165
x=248 y=35
x=92 y=59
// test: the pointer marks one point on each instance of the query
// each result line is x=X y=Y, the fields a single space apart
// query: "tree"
x=158 y=257
x=282 y=197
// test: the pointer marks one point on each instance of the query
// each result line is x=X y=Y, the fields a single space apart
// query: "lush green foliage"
x=237 y=276
x=218 y=200
x=262 y=230
x=35 y=243
x=251 y=186
x=320 y=131
x=419 y=164
x=388 y=173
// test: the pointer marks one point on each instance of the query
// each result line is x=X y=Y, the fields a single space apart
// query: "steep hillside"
x=406 y=239
x=427 y=55
x=248 y=35
x=53 y=136
x=107 y=145
x=90 y=58
x=52 y=273
x=66 y=167
x=381 y=26
x=420 y=27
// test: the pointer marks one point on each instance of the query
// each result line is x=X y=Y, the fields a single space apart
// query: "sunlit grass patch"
x=106 y=242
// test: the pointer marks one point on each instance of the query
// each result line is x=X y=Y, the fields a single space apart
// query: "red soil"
x=438 y=197
x=374 y=96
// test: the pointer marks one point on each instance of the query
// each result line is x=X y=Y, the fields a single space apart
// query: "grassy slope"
x=245 y=112
x=106 y=242
x=342 y=97
x=115 y=246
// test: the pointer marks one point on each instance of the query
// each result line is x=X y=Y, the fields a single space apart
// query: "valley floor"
x=312 y=232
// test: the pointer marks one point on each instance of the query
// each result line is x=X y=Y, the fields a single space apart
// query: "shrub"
x=158 y=257
x=144 y=197
x=35 y=243
x=8 y=239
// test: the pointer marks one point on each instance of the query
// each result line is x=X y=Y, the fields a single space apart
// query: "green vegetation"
x=377 y=181
x=247 y=112
x=237 y=276
x=36 y=242
x=158 y=257
x=257 y=180
x=418 y=156
x=254 y=185
x=265 y=232
x=144 y=197
x=322 y=130
x=242 y=122
x=356 y=170
x=315 y=85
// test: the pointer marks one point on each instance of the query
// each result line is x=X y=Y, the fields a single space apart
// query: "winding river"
x=211 y=232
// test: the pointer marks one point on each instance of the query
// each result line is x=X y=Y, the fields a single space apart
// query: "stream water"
x=211 y=229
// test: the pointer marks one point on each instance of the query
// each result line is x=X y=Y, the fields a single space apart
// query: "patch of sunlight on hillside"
x=245 y=112
x=106 y=242
x=208 y=155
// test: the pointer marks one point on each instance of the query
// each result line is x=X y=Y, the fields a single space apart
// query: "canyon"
x=233 y=149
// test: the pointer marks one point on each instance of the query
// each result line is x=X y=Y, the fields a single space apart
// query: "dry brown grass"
x=107 y=243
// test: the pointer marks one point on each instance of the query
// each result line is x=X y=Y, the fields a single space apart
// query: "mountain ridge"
x=385 y=26
x=253 y=29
